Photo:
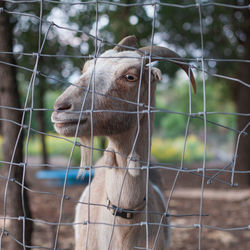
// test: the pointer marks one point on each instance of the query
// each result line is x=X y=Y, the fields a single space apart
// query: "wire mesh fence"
x=57 y=200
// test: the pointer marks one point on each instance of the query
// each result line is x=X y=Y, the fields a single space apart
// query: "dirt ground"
x=225 y=207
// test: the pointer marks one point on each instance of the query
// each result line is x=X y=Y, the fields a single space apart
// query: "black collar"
x=124 y=213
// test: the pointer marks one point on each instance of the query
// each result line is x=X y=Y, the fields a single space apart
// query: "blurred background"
x=225 y=34
x=222 y=41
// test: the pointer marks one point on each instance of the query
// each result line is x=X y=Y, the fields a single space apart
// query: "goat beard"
x=85 y=155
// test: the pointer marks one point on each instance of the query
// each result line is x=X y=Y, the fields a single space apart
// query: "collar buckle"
x=124 y=213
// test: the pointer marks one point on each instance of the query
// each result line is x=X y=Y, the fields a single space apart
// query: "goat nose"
x=62 y=106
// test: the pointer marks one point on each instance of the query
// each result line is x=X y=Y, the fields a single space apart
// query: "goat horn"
x=167 y=53
x=129 y=41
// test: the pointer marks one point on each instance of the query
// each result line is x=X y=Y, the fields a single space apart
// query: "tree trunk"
x=42 y=122
x=9 y=96
x=243 y=106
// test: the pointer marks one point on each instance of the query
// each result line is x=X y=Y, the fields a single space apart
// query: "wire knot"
x=21 y=218
x=5 y=232
x=197 y=225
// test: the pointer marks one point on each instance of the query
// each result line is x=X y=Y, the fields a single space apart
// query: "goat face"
x=109 y=86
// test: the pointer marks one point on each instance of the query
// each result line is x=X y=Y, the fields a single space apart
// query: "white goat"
x=120 y=74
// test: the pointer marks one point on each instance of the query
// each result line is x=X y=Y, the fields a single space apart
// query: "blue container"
x=57 y=177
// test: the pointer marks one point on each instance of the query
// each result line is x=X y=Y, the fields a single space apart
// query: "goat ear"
x=129 y=41
x=156 y=74
x=167 y=53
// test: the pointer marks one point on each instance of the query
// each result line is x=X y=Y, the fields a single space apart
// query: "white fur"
x=78 y=211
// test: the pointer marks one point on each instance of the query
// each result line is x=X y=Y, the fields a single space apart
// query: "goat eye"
x=130 y=78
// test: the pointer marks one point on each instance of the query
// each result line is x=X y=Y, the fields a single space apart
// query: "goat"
x=121 y=79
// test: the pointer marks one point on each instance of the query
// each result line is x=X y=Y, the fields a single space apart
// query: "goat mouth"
x=62 y=124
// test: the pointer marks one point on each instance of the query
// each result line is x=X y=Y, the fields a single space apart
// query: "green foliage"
x=224 y=35
x=164 y=150
x=176 y=98
x=170 y=150
x=60 y=147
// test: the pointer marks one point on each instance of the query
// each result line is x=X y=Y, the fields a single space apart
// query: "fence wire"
x=142 y=108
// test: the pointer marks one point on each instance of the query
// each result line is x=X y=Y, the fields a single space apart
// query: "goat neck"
x=125 y=184
x=124 y=143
